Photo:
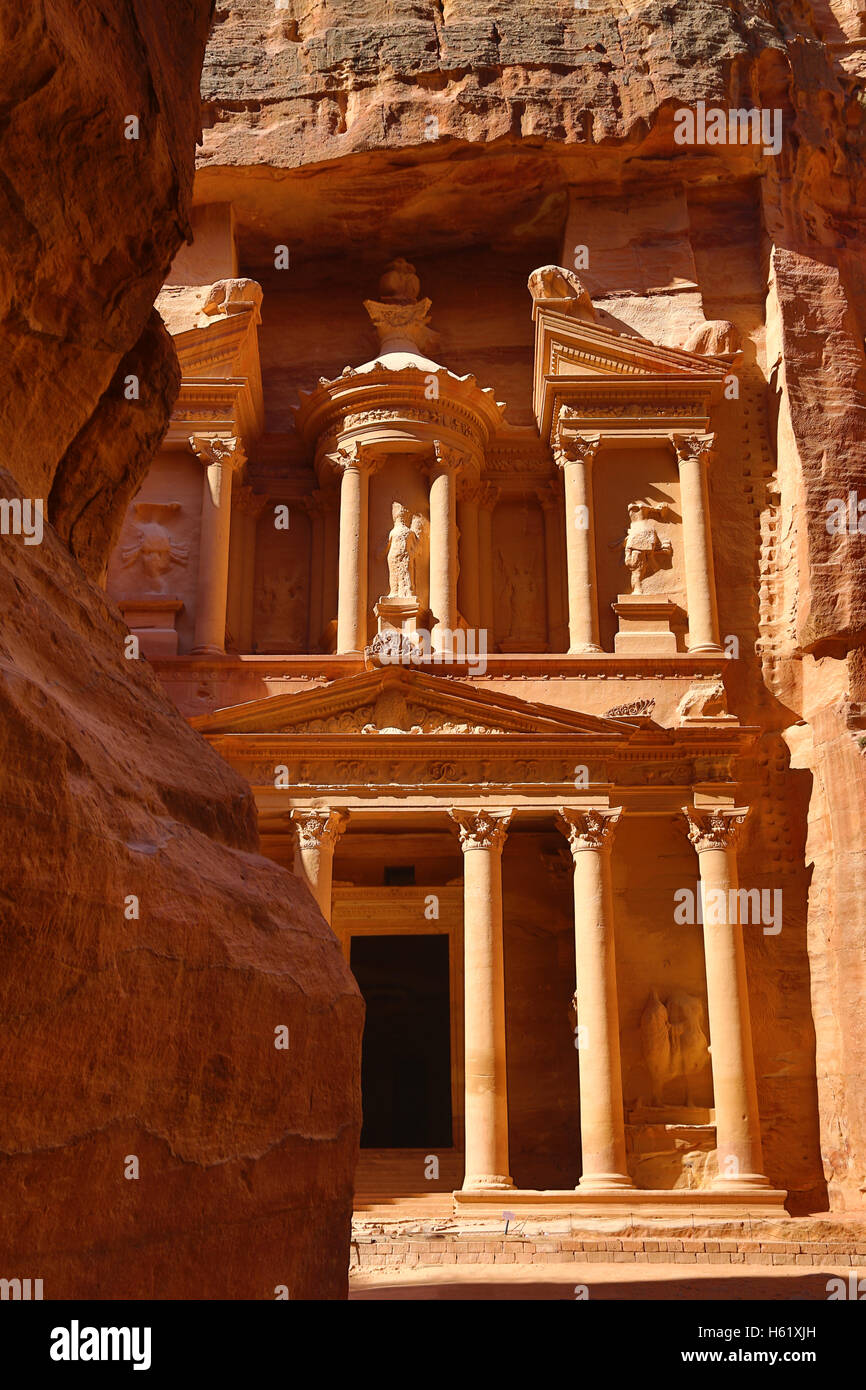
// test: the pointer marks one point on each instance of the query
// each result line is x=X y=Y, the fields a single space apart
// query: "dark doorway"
x=406 y=1058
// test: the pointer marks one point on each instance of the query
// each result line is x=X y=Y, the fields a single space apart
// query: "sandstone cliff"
x=156 y=1141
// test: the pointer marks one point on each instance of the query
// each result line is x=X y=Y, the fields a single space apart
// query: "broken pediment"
x=395 y=701
x=603 y=373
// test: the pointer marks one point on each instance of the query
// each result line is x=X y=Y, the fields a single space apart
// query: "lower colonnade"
x=739 y=1186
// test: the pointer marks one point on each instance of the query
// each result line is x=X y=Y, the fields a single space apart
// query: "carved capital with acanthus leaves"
x=482 y=829
x=698 y=447
x=590 y=829
x=319 y=828
x=354 y=456
x=210 y=449
x=571 y=446
x=716 y=829
x=446 y=458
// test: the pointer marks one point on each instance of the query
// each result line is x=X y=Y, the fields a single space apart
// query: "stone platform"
x=413 y=1237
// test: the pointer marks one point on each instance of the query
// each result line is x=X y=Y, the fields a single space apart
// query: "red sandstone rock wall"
x=123 y=1037
x=442 y=110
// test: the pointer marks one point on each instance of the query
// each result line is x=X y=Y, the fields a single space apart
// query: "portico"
x=392 y=757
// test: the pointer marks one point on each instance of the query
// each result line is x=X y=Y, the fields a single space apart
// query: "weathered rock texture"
x=473 y=135
x=151 y=1036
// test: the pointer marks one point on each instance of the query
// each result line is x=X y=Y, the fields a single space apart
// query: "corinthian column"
x=738 y=1127
x=352 y=583
x=693 y=453
x=317 y=834
x=574 y=454
x=221 y=457
x=443 y=547
x=482 y=836
x=602 y=1126
x=551 y=507
x=470 y=563
x=316 y=512
x=487 y=501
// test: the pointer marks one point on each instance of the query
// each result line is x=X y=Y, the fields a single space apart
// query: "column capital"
x=693 y=446
x=354 y=456
x=248 y=502
x=482 y=829
x=210 y=449
x=446 y=458
x=318 y=826
x=469 y=490
x=489 y=496
x=591 y=828
x=714 y=829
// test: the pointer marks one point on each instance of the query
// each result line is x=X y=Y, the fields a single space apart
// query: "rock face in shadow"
x=156 y=1140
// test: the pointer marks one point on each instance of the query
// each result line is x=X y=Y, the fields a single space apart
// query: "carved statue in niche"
x=404 y=540
x=675 y=1044
x=521 y=596
x=282 y=610
x=645 y=550
x=154 y=546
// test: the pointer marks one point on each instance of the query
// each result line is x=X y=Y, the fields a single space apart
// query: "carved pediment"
x=602 y=372
x=393 y=701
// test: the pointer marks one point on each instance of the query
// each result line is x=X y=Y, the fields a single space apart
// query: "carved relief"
x=704 y=700
x=645 y=551
x=154 y=548
x=637 y=707
x=675 y=1046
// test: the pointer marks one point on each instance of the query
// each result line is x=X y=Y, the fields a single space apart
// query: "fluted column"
x=738 y=1127
x=482 y=836
x=551 y=507
x=469 y=496
x=221 y=458
x=352 y=583
x=487 y=501
x=693 y=454
x=602 y=1125
x=574 y=454
x=443 y=547
x=317 y=834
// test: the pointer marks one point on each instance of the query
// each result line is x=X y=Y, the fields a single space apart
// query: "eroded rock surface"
x=156 y=1141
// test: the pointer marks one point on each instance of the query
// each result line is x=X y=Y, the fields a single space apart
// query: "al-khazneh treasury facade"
x=471 y=664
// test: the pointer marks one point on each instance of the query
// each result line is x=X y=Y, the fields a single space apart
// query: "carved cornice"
x=716 y=829
x=693 y=446
x=482 y=829
x=210 y=449
x=319 y=827
x=591 y=829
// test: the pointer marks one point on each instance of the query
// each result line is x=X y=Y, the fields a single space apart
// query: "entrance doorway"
x=406 y=1057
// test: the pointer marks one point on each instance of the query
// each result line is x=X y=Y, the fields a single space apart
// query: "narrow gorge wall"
x=481 y=137
x=158 y=1140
